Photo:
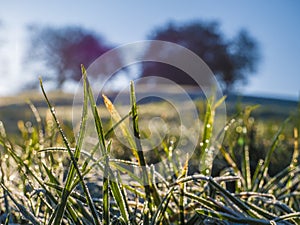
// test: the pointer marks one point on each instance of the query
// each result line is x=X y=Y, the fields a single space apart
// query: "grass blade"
x=28 y=215
x=138 y=145
x=120 y=123
x=158 y=216
x=182 y=192
x=240 y=204
x=228 y=217
x=120 y=198
x=232 y=163
x=288 y=217
x=105 y=190
x=206 y=154
x=74 y=168
x=116 y=191
x=246 y=167
x=267 y=160
x=294 y=161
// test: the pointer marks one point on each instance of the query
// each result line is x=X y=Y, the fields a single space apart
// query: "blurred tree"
x=62 y=50
x=230 y=60
x=1 y=26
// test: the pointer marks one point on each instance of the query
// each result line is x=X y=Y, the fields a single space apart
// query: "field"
x=49 y=175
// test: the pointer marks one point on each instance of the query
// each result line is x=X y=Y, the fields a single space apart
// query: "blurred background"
x=252 y=47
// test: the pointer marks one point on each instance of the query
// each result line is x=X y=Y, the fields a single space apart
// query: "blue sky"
x=274 y=23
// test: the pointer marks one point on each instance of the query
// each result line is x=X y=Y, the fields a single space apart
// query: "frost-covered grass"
x=49 y=177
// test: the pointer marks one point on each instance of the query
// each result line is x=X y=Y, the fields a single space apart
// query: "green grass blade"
x=51 y=177
x=80 y=204
x=240 y=204
x=55 y=184
x=59 y=212
x=117 y=164
x=274 y=181
x=182 y=192
x=159 y=214
x=39 y=123
x=294 y=161
x=232 y=163
x=74 y=168
x=257 y=171
x=154 y=189
x=97 y=119
x=113 y=185
x=28 y=170
x=101 y=139
x=105 y=190
x=205 y=163
x=228 y=217
x=204 y=202
x=120 y=198
x=190 y=178
x=267 y=160
x=72 y=214
x=117 y=124
x=206 y=154
x=138 y=145
x=7 y=219
x=27 y=215
x=246 y=167
x=98 y=124
x=260 y=210
x=290 y=216
x=136 y=131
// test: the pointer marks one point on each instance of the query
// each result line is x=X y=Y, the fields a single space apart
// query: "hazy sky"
x=275 y=24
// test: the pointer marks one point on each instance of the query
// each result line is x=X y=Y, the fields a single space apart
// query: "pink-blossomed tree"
x=62 y=50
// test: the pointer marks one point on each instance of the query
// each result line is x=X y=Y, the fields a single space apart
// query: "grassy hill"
x=269 y=108
x=15 y=108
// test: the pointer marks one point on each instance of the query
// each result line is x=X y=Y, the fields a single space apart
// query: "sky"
x=274 y=23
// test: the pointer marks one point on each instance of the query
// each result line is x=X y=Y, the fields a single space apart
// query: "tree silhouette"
x=63 y=50
x=230 y=60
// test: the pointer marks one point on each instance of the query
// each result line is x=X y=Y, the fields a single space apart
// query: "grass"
x=50 y=177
